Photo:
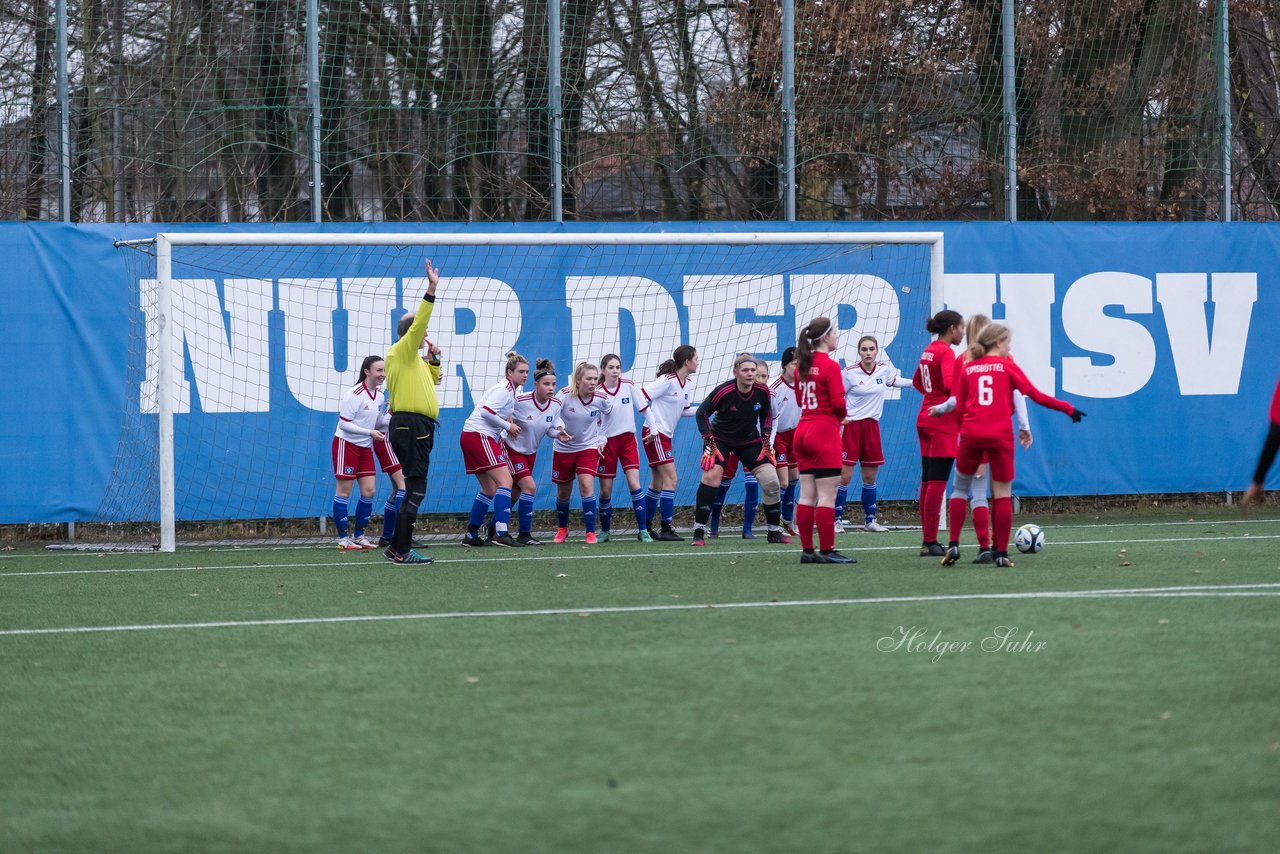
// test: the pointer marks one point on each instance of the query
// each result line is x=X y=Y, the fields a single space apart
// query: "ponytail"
x=678 y=359
x=987 y=339
x=942 y=321
x=806 y=340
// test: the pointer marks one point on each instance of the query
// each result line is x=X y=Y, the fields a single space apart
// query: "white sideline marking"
x=446 y=541
x=365 y=565
x=1265 y=589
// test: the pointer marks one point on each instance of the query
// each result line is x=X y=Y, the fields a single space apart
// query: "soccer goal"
x=243 y=344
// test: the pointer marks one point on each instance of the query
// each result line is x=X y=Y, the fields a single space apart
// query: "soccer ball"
x=1029 y=539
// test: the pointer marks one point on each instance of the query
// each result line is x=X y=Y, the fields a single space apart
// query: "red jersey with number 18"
x=933 y=375
x=821 y=393
x=984 y=397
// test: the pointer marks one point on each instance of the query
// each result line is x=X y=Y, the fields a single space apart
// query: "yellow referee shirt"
x=411 y=382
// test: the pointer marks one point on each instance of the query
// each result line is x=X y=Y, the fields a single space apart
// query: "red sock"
x=982 y=526
x=924 y=516
x=1002 y=512
x=826 y=520
x=958 y=508
x=934 y=492
x=804 y=522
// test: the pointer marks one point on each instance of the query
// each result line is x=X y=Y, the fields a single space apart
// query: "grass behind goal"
x=729 y=700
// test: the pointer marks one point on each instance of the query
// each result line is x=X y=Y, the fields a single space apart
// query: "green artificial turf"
x=1105 y=723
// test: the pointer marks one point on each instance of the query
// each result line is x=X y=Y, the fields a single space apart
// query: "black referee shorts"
x=749 y=454
x=412 y=437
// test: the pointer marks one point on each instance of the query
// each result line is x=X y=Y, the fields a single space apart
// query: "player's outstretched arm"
x=1270 y=446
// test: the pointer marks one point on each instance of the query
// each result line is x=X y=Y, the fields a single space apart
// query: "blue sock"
x=717 y=506
x=562 y=513
x=526 y=513
x=501 y=509
x=638 y=503
x=364 y=509
x=651 y=505
x=340 y=514
x=869 y=500
x=789 y=501
x=479 y=509
x=606 y=514
x=842 y=494
x=589 y=514
x=389 y=511
x=751 y=503
x=667 y=505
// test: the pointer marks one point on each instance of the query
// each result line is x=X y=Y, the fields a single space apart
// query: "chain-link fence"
x=503 y=110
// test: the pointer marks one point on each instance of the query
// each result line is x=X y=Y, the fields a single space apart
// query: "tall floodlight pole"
x=555 y=96
x=313 y=100
x=1010 y=113
x=64 y=117
x=789 y=108
x=1224 y=104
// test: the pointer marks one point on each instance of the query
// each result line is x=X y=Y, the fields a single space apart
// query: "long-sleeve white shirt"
x=583 y=420
x=361 y=412
x=493 y=414
x=536 y=423
x=666 y=401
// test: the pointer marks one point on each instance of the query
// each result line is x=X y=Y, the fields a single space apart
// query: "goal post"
x=249 y=340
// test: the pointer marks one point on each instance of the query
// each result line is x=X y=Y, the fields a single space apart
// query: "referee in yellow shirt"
x=411 y=396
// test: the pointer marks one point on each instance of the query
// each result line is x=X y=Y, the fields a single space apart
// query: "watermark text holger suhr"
x=933 y=643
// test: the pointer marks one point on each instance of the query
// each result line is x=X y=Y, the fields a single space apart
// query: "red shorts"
x=619 y=450
x=481 y=452
x=861 y=442
x=783 y=449
x=658 y=452
x=352 y=461
x=730 y=467
x=998 y=453
x=567 y=465
x=817 y=445
x=521 y=465
x=938 y=436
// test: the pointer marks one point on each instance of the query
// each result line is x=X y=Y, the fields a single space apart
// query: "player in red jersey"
x=1268 y=456
x=937 y=435
x=984 y=388
x=820 y=394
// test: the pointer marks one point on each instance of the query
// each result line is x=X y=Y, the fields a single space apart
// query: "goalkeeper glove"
x=1076 y=416
x=710 y=454
x=769 y=454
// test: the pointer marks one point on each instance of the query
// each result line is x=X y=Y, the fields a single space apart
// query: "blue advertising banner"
x=1160 y=332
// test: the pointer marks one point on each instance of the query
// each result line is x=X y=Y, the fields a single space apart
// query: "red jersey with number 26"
x=984 y=397
x=821 y=394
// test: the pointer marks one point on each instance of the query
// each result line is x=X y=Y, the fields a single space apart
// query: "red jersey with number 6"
x=984 y=397
x=821 y=393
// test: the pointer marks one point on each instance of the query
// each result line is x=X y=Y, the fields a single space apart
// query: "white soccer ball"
x=1029 y=539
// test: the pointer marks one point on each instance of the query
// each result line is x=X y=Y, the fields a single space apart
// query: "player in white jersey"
x=666 y=400
x=484 y=456
x=620 y=448
x=786 y=417
x=360 y=436
x=575 y=454
x=536 y=412
x=865 y=384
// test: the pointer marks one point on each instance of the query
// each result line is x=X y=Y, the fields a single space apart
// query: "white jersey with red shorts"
x=353 y=449
x=786 y=415
x=820 y=395
x=664 y=402
x=864 y=393
x=583 y=420
x=984 y=403
x=537 y=421
x=620 y=448
x=479 y=440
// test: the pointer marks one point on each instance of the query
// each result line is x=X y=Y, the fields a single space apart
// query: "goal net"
x=243 y=345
